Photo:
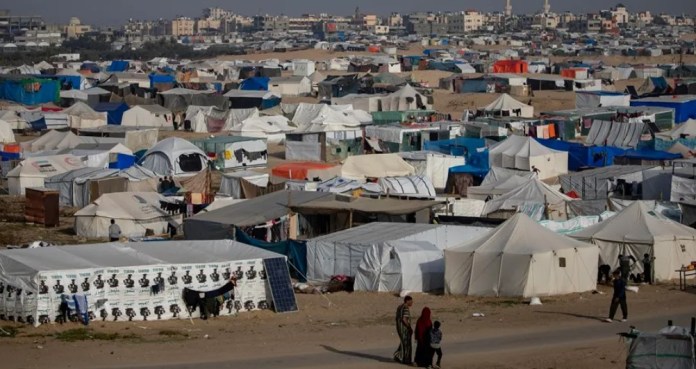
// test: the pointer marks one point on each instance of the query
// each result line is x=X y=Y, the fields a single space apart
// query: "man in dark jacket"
x=618 y=298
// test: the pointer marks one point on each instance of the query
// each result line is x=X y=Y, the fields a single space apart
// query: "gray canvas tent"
x=342 y=252
x=115 y=278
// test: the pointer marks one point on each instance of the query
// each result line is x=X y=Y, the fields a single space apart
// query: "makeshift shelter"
x=684 y=130
x=406 y=98
x=507 y=106
x=231 y=152
x=521 y=258
x=510 y=66
x=342 y=253
x=635 y=231
x=290 y=86
x=271 y=128
x=433 y=165
x=6 y=134
x=305 y=170
x=148 y=116
x=375 y=166
x=255 y=84
x=90 y=96
x=174 y=156
x=684 y=105
x=534 y=198
x=671 y=347
x=401 y=266
x=134 y=212
x=126 y=273
x=617 y=134
x=244 y=99
x=263 y=211
x=232 y=184
x=525 y=153
x=114 y=111
x=595 y=99
x=80 y=115
x=32 y=172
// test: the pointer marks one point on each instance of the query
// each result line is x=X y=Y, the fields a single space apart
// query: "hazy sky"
x=101 y=12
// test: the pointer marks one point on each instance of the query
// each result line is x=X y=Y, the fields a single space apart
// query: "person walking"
x=647 y=268
x=424 y=353
x=435 y=343
x=114 y=231
x=618 y=298
x=403 y=354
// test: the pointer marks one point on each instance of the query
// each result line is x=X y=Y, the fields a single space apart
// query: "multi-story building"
x=395 y=20
x=75 y=28
x=11 y=25
x=267 y=23
x=207 y=25
x=216 y=13
x=644 y=17
x=369 y=21
x=620 y=14
x=465 y=22
x=181 y=26
x=594 y=23
x=379 y=29
x=422 y=23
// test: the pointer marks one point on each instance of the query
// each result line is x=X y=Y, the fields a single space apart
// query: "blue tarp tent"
x=29 y=91
x=460 y=146
x=161 y=78
x=684 y=105
x=255 y=84
x=92 y=67
x=581 y=156
x=480 y=173
x=118 y=66
x=296 y=251
x=122 y=161
x=114 y=111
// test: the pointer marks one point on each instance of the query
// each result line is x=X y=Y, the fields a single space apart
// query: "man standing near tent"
x=647 y=268
x=618 y=298
x=114 y=231
x=625 y=266
x=404 y=330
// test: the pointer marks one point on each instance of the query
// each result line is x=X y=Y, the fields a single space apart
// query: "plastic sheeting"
x=518 y=152
x=606 y=133
x=401 y=266
x=537 y=198
x=295 y=251
x=165 y=158
x=411 y=186
x=375 y=166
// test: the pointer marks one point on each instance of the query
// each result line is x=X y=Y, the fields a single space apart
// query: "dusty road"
x=585 y=333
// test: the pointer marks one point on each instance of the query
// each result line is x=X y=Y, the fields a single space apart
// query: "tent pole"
x=350 y=219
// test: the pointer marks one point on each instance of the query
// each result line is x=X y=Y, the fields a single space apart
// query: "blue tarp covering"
x=24 y=91
x=472 y=149
x=296 y=251
x=92 y=67
x=469 y=169
x=161 y=78
x=123 y=161
x=7 y=156
x=114 y=111
x=581 y=156
x=683 y=109
x=39 y=124
x=118 y=66
x=255 y=84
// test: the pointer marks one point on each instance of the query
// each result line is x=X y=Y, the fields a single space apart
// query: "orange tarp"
x=299 y=170
x=510 y=66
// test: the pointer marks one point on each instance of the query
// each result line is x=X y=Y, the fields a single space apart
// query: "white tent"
x=6 y=134
x=174 y=156
x=637 y=231
x=411 y=186
x=521 y=258
x=406 y=98
x=31 y=172
x=65 y=184
x=15 y=119
x=290 y=86
x=524 y=153
x=80 y=115
x=375 y=166
x=507 y=106
x=303 y=67
x=433 y=165
x=90 y=95
x=493 y=190
x=134 y=212
x=272 y=128
x=401 y=266
x=687 y=128
x=98 y=155
x=595 y=99
x=147 y=116
x=125 y=272
x=534 y=198
x=325 y=118
x=342 y=252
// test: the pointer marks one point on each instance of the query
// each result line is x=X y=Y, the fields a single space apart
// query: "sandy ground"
x=355 y=330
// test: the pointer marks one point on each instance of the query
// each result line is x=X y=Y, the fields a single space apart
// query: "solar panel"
x=278 y=278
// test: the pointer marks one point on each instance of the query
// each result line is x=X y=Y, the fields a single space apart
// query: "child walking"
x=435 y=339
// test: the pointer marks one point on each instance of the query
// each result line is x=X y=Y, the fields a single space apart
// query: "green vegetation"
x=8 y=331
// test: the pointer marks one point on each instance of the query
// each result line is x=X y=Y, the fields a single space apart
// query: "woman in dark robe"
x=424 y=355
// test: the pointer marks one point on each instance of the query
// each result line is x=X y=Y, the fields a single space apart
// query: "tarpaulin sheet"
x=296 y=251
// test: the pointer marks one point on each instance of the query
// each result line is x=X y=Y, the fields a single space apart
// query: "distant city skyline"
x=118 y=12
